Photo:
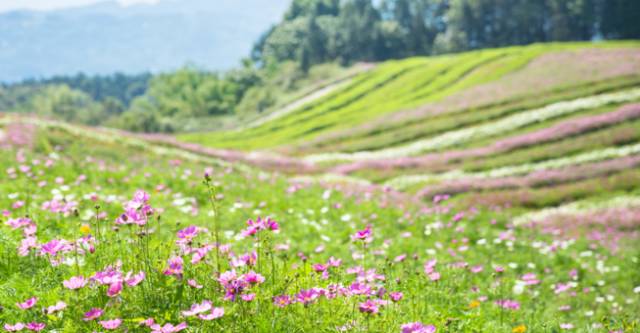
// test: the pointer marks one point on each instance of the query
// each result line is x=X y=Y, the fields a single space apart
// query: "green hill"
x=507 y=127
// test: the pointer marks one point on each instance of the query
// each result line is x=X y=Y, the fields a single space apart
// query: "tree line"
x=317 y=31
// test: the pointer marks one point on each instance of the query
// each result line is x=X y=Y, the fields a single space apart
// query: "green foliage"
x=364 y=30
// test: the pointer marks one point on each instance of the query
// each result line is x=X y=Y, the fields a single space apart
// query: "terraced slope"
x=375 y=110
x=521 y=127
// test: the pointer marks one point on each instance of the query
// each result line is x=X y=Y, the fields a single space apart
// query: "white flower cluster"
x=578 y=207
x=468 y=134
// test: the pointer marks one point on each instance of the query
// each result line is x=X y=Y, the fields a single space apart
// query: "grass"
x=315 y=224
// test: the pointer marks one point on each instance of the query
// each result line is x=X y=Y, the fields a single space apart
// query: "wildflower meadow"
x=104 y=236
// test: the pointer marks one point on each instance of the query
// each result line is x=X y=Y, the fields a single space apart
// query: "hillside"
x=104 y=231
x=106 y=38
x=521 y=127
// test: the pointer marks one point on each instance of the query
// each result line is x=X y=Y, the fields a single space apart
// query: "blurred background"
x=156 y=65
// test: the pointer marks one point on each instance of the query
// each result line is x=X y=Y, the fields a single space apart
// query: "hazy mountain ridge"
x=106 y=37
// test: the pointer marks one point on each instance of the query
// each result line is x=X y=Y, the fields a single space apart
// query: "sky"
x=7 y=5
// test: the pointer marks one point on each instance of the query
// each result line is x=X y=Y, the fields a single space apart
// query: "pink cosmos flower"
x=333 y=262
x=477 y=269
x=134 y=280
x=92 y=314
x=59 y=306
x=197 y=309
x=28 y=304
x=306 y=296
x=26 y=244
x=396 y=296
x=417 y=327
x=248 y=297
x=282 y=301
x=187 y=234
x=214 y=314
x=168 y=328
x=75 y=282
x=253 y=278
x=319 y=268
x=175 y=267
x=111 y=324
x=369 y=307
x=114 y=289
x=137 y=210
x=364 y=235
x=194 y=284
x=253 y=227
x=530 y=279
x=200 y=253
x=14 y=328
x=566 y=326
x=36 y=327
x=508 y=304
x=400 y=258
x=55 y=246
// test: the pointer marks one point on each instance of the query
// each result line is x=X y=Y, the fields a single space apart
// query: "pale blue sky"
x=6 y=5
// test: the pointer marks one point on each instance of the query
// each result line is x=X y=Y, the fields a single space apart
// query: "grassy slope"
x=442 y=91
x=393 y=87
x=114 y=168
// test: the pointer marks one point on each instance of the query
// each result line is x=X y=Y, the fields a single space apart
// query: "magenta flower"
x=358 y=288
x=253 y=227
x=175 y=267
x=417 y=327
x=92 y=314
x=111 y=324
x=28 y=304
x=187 y=234
x=369 y=307
x=282 y=301
x=140 y=197
x=396 y=296
x=429 y=266
x=75 y=282
x=114 y=289
x=55 y=246
x=306 y=296
x=319 y=268
x=36 y=327
x=137 y=210
x=168 y=328
x=364 y=235
x=214 y=314
x=508 y=304
x=253 y=278
x=476 y=269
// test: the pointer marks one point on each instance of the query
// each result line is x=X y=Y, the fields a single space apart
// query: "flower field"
x=106 y=236
x=488 y=191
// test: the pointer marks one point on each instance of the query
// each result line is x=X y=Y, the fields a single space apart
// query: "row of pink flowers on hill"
x=555 y=132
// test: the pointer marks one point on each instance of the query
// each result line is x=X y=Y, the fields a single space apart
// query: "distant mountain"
x=106 y=37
